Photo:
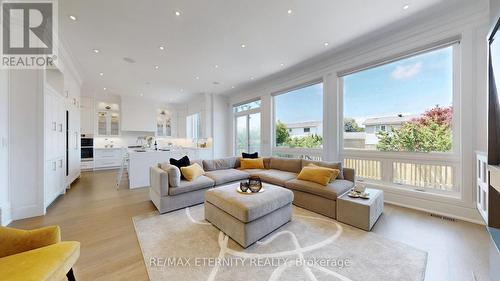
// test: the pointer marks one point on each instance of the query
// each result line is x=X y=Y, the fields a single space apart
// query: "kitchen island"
x=140 y=161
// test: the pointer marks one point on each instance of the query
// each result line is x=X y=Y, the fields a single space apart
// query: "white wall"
x=221 y=125
x=26 y=141
x=470 y=23
x=5 y=215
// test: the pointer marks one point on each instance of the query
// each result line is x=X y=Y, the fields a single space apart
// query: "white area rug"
x=183 y=246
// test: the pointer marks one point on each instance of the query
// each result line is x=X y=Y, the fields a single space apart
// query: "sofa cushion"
x=225 y=176
x=192 y=172
x=174 y=174
x=275 y=176
x=253 y=172
x=330 y=191
x=221 y=164
x=247 y=208
x=200 y=182
x=254 y=163
x=267 y=162
x=286 y=164
x=331 y=165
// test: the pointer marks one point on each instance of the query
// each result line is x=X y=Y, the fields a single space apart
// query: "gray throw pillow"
x=174 y=174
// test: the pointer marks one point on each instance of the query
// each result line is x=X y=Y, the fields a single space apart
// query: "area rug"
x=183 y=246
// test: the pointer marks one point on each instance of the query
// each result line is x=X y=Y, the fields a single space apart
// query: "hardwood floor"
x=100 y=217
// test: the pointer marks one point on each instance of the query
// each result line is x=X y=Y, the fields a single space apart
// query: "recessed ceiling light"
x=216 y=66
x=73 y=18
x=101 y=73
x=251 y=78
x=289 y=11
x=104 y=88
x=232 y=87
x=243 y=45
x=405 y=7
x=177 y=13
x=282 y=64
x=95 y=51
x=182 y=90
x=141 y=94
x=197 y=78
x=326 y=44
x=162 y=48
x=157 y=67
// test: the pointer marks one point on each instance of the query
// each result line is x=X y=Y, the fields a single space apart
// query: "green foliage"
x=282 y=134
x=283 y=138
x=311 y=141
x=429 y=133
x=350 y=125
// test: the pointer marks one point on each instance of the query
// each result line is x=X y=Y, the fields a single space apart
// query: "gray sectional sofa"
x=168 y=192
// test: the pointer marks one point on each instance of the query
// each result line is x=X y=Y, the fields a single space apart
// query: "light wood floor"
x=100 y=217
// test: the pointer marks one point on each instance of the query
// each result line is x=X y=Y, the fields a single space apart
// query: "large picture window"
x=404 y=106
x=298 y=116
x=398 y=122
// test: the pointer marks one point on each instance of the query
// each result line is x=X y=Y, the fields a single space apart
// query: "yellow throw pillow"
x=256 y=163
x=336 y=172
x=192 y=172
x=318 y=175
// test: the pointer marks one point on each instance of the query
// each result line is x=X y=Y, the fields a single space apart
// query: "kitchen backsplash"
x=130 y=139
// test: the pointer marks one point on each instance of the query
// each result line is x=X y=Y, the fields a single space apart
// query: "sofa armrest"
x=158 y=180
x=350 y=174
x=14 y=241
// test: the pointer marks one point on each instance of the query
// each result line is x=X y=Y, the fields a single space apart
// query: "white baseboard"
x=5 y=214
x=444 y=209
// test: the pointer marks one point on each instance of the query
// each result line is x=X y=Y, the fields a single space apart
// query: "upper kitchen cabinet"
x=108 y=118
x=138 y=115
x=165 y=123
x=87 y=115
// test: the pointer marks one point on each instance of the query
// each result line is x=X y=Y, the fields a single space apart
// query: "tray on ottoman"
x=248 y=217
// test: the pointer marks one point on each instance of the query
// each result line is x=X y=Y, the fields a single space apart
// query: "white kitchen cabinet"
x=55 y=145
x=87 y=113
x=108 y=123
x=74 y=154
x=108 y=158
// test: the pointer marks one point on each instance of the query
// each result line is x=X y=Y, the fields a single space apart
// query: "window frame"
x=295 y=150
x=452 y=158
x=456 y=134
x=245 y=113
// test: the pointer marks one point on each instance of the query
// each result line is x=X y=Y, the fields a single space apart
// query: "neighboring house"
x=386 y=123
x=303 y=129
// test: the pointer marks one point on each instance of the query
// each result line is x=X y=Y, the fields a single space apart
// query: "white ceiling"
x=210 y=33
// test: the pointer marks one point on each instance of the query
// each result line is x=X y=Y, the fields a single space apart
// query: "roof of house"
x=306 y=124
x=388 y=120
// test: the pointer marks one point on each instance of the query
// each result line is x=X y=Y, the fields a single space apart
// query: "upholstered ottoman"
x=248 y=217
x=361 y=213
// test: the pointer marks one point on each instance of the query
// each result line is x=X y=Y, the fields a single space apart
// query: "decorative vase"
x=255 y=184
x=244 y=186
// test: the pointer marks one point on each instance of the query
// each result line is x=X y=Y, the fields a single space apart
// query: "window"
x=405 y=105
x=394 y=112
x=298 y=116
x=247 y=127
x=193 y=126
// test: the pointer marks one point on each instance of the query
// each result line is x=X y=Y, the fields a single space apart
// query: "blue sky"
x=408 y=86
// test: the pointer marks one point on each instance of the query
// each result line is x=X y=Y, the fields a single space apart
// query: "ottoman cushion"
x=247 y=208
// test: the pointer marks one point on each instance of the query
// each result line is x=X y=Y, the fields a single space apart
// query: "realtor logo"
x=28 y=33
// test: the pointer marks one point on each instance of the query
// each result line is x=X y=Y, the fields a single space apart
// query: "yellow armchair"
x=38 y=254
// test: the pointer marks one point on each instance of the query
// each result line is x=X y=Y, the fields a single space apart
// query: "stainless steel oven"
x=87 y=147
